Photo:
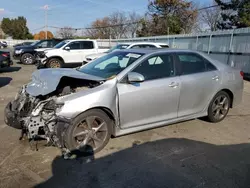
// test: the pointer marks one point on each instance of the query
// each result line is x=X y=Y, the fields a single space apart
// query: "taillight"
x=242 y=74
x=5 y=55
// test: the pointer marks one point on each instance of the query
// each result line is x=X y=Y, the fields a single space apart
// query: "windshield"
x=111 y=64
x=118 y=47
x=60 y=44
x=35 y=43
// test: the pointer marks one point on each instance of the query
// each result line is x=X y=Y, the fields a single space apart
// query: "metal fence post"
x=209 y=44
x=230 y=46
x=197 y=38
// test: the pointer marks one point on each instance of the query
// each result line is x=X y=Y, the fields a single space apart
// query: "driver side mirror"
x=67 y=48
x=135 y=77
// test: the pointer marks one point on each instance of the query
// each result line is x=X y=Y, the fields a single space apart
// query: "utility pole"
x=46 y=8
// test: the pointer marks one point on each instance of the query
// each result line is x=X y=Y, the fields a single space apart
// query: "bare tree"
x=66 y=32
x=211 y=17
x=134 y=19
x=118 y=21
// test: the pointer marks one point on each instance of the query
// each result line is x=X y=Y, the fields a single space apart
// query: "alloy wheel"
x=55 y=64
x=92 y=131
x=220 y=107
x=28 y=59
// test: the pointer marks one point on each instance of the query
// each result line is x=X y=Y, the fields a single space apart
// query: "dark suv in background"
x=26 y=54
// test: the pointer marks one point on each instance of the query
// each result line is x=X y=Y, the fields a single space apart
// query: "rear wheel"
x=27 y=59
x=54 y=63
x=219 y=107
x=90 y=132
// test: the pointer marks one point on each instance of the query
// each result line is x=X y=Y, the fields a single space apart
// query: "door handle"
x=215 y=78
x=173 y=85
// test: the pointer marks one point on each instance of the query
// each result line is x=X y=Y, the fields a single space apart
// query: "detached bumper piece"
x=39 y=64
x=11 y=118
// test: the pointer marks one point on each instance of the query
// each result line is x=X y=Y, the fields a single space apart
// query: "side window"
x=191 y=63
x=161 y=66
x=147 y=46
x=44 y=44
x=135 y=47
x=210 y=66
x=87 y=45
x=74 y=45
x=143 y=46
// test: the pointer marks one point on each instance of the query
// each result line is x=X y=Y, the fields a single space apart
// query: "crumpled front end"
x=37 y=115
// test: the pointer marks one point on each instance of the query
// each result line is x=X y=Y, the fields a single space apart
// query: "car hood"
x=24 y=47
x=94 y=56
x=42 y=49
x=45 y=81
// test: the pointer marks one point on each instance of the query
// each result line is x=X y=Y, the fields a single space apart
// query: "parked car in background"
x=3 y=44
x=68 y=53
x=92 y=57
x=26 y=54
x=23 y=44
x=5 y=60
x=123 y=92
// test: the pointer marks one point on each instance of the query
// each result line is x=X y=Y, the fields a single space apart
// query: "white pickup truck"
x=68 y=53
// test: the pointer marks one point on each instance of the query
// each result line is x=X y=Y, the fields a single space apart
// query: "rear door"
x=87 y=48
x=199 y=82
x=74 y=54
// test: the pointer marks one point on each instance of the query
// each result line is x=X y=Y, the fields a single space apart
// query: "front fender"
x=103 y=96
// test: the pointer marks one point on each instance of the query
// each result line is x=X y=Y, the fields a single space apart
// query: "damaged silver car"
x=120 y=93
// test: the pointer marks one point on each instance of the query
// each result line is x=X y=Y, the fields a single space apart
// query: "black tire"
x=71 y=140
x=218 y=109
x=54 y=63
x=27 y=59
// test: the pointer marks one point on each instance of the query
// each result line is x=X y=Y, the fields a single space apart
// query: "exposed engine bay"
x=36 y=116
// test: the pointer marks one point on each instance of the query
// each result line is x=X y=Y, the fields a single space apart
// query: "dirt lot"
x=190 y=154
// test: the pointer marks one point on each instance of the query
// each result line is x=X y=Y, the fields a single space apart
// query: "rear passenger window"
x=193 y=63
x=161 y=66
x=87 y=45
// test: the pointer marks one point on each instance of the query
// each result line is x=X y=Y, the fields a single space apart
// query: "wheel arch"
x=55 y=57
x=108 y=112
x=231 y=95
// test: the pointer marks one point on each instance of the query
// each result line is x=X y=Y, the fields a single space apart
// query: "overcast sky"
x=74 y=13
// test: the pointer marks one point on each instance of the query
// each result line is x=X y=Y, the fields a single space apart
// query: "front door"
x=199 y=82
x=156 y=99
x=74 y=54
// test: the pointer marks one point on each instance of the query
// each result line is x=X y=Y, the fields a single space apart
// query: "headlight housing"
x=18 y=51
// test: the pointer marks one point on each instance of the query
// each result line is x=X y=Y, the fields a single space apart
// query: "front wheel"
x=219 y=107
x=27 y=59
x=90 y=132
x=54 y=63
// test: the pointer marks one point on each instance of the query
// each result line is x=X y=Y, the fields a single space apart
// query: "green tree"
x=169 y=16
x=235 y=14
x=16 y=28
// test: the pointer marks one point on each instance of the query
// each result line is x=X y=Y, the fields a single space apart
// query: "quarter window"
x=192 y=63
x=157 y=67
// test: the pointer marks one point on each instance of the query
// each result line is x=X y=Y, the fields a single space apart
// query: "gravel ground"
x=190 y=154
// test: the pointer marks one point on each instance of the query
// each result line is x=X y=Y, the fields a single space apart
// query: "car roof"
x=153 y=50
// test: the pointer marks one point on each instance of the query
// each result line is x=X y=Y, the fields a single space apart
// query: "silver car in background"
x=123 y=92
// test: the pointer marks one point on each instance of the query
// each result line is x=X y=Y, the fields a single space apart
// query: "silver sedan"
x=123 y=92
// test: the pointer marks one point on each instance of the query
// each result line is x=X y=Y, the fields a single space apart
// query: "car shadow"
x=10 y=69
x=4 y=81
x=159 y=164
